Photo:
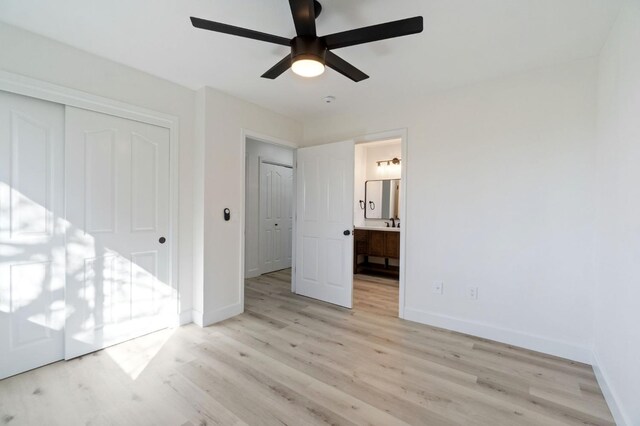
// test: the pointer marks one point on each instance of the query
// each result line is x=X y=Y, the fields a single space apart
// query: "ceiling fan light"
x=307 y=67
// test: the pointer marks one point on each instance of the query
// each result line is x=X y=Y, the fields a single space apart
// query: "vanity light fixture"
x=394 y=161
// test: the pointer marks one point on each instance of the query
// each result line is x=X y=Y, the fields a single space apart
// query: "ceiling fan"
x=309 y=52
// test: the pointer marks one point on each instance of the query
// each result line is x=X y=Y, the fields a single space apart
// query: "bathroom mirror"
x=382 y=199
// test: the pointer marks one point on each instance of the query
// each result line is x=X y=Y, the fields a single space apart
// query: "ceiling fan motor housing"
x=308 y=48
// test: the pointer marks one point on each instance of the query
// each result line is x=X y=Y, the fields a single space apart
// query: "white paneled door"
x=32 y=250
x=276 y=217
x=117 y=186
x=324 y=225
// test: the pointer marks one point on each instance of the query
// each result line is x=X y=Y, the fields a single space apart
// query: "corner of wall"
x=221 y=314
x=613 y=401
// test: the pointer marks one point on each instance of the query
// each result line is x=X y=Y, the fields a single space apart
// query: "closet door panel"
x=118 y=261
x=32 y=249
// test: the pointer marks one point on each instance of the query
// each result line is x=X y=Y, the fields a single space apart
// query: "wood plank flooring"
x=295 y=361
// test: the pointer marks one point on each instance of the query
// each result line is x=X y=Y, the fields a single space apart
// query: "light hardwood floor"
x=295 y=361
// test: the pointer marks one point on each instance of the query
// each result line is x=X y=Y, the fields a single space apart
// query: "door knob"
x=347 y=232
x=162 y=240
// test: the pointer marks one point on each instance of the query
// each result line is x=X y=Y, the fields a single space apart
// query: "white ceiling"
x=464 y=41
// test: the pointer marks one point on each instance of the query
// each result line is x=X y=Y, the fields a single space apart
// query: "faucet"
x=393 y=222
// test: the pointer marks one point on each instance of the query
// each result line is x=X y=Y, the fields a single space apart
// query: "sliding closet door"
x=118 y=259
x=32 y=252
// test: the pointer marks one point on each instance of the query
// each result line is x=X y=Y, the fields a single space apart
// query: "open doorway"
x=269 y=197
x=377 y=226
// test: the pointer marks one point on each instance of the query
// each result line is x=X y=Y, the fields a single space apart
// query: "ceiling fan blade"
x=374 y=33
x=238 y=31
x=343 y=67
x=304 y=17
x=278 y=68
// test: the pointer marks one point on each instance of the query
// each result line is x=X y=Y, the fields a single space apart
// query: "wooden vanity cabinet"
x=383 y=244
x=392 y=245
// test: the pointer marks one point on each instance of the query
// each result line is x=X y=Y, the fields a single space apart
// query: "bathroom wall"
x=366 y=168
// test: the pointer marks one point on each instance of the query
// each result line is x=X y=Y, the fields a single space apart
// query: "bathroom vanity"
x=376 y=242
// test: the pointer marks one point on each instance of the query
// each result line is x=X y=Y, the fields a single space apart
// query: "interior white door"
x=117 y=187
x=32 y=251
x=276 y=217
x=324 y=224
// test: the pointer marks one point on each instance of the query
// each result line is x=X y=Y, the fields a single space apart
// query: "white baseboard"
x=503 y=335
x=198 y=318
x=185 y=317
x=252 y=273
x=180 y=319
x=609 y=393
x=218 y=315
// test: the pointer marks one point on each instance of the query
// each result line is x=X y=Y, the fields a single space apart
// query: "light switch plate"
x=437 y=287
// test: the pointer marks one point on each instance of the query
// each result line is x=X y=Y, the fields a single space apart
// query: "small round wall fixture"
x=329 y=99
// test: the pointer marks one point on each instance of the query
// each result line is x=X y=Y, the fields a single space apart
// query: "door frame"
x=266 y=160
x=26 y=86
x=401 y=134
x=246 y=133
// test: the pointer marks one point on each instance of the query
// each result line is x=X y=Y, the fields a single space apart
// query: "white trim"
x=401 y=134
x=26 y=86
x=266 y=160
x=500 y=334
x=244 y=134
x=610 y=396
x=221 y=314
x=185 y=317
x=198 y=318
x=294 y=211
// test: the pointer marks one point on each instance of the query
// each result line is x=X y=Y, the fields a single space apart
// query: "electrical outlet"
x=473 y=293
x=437 y=287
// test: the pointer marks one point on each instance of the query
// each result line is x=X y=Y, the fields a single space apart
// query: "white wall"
x=500 y=178
x=37 y=57
x=617 y=331
x=377 y=152
x=225 y=118
x=257 y=150
x=374 y=152
x=359 y=178
x=366 y=168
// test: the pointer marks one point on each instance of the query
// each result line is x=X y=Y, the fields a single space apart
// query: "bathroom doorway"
x=378 y=225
